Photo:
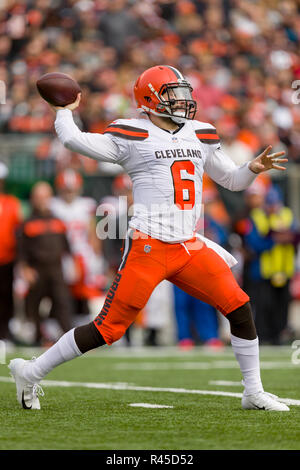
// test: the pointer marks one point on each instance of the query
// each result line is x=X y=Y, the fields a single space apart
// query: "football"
x=58 y=89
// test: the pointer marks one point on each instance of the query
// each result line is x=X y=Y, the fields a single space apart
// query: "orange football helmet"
x=69 y=179
x=121 y=182
x=162 y=90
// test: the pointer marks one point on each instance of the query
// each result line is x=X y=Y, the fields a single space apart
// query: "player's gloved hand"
x=266 y=161
x=70 y=106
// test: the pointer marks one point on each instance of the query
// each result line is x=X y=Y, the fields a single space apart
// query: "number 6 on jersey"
x=184 y=189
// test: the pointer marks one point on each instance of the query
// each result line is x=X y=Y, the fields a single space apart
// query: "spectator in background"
x=195 y=320
x=269 y=240
x=42 y=244
x=119 y=27
x=254 y=199
x=241 y=58
x=10 y=218
x=238 y=151
x=86 y=276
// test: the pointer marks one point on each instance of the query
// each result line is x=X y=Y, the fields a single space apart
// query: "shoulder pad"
x=130 y=129
x=206 y=133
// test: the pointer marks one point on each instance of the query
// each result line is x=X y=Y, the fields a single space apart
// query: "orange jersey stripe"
x=208 y=136
x=122 y=131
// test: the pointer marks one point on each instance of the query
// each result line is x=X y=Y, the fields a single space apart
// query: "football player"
x=165 y=152
x=78 y=214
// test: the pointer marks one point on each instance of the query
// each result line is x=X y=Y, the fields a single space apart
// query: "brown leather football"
x=57 y=88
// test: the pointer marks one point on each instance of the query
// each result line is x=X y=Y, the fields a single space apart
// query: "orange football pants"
x=192 y=266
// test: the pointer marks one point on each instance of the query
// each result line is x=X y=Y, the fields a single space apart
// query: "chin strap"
x=176 y=119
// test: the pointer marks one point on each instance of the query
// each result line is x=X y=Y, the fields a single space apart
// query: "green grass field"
x=82 y=415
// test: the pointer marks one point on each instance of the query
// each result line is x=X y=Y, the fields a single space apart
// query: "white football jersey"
x=77 y=218
x=166 y=169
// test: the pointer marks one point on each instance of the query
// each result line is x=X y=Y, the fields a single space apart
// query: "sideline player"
x=78 y=214
x=165 y=154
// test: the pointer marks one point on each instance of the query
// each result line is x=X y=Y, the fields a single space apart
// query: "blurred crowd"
x=242 y=59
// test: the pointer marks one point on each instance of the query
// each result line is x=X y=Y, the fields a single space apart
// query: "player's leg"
x=6 y=296
x=61 y=300
x=279 y=305
x=263 y=310
x=206 y=276
x=130 y=291
x=32 y=302
x=206 y=322
x=183 y=317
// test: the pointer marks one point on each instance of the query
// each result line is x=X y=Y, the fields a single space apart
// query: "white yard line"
x=136 y=388
x=150 y=366
x=149 y=405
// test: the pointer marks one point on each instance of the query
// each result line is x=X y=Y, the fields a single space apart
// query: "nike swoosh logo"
x=24 y=404
x=258 y=408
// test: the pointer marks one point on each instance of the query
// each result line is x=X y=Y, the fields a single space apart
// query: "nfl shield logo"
x=175 y=139
x=147 y=248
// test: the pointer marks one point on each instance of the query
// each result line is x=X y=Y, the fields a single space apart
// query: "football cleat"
x=27 y=393
x=263 y=401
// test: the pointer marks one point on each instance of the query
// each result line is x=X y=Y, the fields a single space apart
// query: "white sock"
x=63 y=350
x=247 y=354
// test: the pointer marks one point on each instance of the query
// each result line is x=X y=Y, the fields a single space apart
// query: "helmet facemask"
x=175 y=101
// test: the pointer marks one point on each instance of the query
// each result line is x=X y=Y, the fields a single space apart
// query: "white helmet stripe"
x=177 y=73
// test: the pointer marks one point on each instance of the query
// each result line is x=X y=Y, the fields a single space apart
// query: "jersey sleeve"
x=124 y=132
x=219 y=166
x=97 y=146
